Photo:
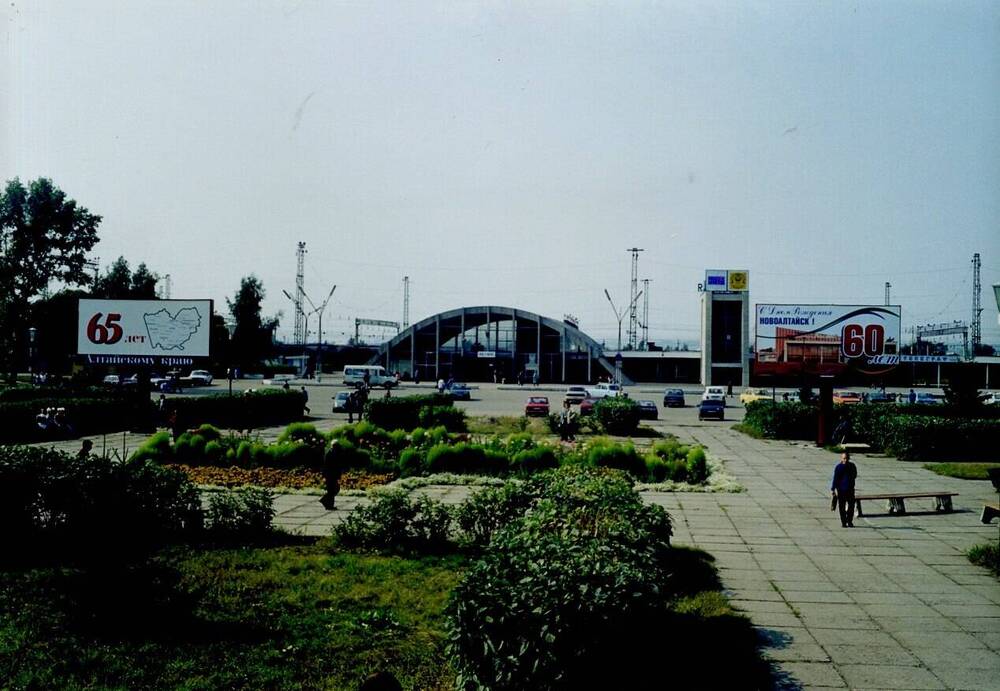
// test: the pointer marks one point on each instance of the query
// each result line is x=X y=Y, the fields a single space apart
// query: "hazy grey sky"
x=509 y=153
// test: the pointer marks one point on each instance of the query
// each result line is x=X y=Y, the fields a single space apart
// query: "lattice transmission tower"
x=633 y=308
x=300 y=278
x=977 y=305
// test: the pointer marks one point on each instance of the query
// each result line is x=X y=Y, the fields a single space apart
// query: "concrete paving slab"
x=882 y=676
x=812 y=675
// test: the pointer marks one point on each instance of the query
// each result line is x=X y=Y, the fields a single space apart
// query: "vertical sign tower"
x=633 y=308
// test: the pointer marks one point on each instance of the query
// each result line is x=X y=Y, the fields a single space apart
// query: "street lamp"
x=320 y=310
x=619 y=317
x=32 y=335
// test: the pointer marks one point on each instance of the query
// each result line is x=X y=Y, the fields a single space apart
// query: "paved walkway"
x=890 y=604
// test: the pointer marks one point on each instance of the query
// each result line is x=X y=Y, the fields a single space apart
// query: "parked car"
x=575 y=394
x=924 y=398
x=749 y=395
x=715 y=393
x=712 y=407
x=200 y=377
x=606 y=389
x=460 y=392
x=587 y=406
x=537 y=405
x=673 y=398
x=112 y=380
x=992 y=399
x=340 y=400
x=881 y=397
x=846 y=397
x=648 y=410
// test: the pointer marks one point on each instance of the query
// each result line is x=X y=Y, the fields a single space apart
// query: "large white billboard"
x=138 y=329
x=826 y=338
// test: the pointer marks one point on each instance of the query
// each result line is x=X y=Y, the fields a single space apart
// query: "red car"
x=537 y=405
x=587 y=406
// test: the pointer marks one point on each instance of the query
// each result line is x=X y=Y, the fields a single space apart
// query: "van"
x=354 y=375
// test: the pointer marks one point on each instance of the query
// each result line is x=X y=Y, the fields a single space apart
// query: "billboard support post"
x=825 y=411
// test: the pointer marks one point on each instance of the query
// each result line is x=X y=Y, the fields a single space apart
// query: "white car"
x=200 y=377
x=992 y=399
x=715 y=393
x=112 y=380
x=575 y=394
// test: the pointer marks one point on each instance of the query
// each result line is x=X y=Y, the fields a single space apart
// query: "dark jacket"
x=844 y=475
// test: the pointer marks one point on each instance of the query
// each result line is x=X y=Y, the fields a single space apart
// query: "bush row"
x=84 y=416
x=910 y=433
x=61 y=506
x=410 y=412
x=259 y=408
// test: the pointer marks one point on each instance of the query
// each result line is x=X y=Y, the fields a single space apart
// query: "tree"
x=252 y=334
x=962 y=389
x=120 y=282
x=44 y=237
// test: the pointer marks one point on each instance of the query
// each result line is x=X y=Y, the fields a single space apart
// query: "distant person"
x=331 y=475
x=534 y=378
x=85 y=449
x=441 y=385
x=285 y=387
x=416 y=377
x=842 y=488
x=566 y=423
x=842 y=431
x=352 y=404
x=367 y=378
x=305 y=400
x=913 y=396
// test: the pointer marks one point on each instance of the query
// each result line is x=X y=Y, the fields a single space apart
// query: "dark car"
x=587 y=406
x=712 y=408
x=673 y=398
x=881 y=397
x=648 y=410
x=460 y=392
x=537 y=405
x=340 y=401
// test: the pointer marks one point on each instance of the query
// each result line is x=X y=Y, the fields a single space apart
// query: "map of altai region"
x=171 y=331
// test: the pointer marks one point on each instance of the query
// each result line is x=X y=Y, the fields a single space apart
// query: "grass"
x=963 y=471
x=507 y=424
x=748 y=430
x=986 y=556
x=282 y=617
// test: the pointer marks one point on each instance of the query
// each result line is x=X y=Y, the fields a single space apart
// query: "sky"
x=511 y=153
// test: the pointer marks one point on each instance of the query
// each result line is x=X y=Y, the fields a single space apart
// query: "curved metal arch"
x=557 y=325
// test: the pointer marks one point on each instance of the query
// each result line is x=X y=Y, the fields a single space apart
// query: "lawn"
x=280 y=617
x=963 y=471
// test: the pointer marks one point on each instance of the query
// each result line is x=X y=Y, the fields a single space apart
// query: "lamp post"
x=230 y=329
x=32 y=335
x=620 y=316
x=320 y=310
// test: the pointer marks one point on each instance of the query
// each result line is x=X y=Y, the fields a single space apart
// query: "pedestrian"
x=842 y=431
x=285 y=387
x=842 y=488
x=174 y=423
x=566 y=423
x=388 y=392
x=331 y=475
x=352 y=403
x=367 y=378
x=441 y=385
x=534 y=378
x=85 y=449
x=305 y=400
x=416 y=377
x=913 y=396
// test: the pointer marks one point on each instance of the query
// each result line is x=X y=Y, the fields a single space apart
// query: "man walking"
x=842 y=487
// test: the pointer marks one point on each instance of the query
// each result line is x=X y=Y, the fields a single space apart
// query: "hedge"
x=909 y=433
x=257 y=409
x=617 y=416
x=410 y=412
x=84 y=415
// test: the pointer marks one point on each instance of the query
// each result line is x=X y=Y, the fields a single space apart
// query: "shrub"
x=913 y=437
x=302 y=432
x=394 y=522
x=84 y=415
x=346 y=455
x=403 y=412
x=548 y=589
x=533 y=460
x=605 y=453
x=246 y=512
x=465 y=458
x=62 y=505
x=781 y=419
x=617 y=415
x=259 y=408
x=697 y=466
x=412 y=462
x=489 y=510
x=449 y=417
x=156 y=448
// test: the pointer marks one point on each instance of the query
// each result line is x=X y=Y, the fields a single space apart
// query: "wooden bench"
x=990 y=511
x=895 y=503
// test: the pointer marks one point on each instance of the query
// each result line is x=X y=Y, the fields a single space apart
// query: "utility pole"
x=620 y=315
x=319 y=310
x=633 y=329
x=645 y=313
x=406 y=301
x=977 y=305
x=300 y=334
x=887 y=287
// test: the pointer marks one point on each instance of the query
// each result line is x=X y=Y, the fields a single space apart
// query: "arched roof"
x=493 y=311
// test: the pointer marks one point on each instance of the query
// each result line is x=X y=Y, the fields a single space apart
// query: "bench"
x=895 y=503
x=990 y=511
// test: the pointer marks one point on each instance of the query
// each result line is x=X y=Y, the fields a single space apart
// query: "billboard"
x=826 y=339
x=144 y=331
x=726 y=280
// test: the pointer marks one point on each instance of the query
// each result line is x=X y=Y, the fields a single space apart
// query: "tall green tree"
x=44 y=237
x=252 y=334
x=120 y=282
